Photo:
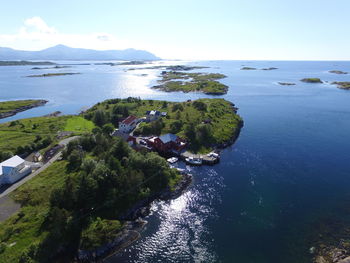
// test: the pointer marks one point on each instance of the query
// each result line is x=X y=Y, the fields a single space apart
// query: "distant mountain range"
x=61 y=52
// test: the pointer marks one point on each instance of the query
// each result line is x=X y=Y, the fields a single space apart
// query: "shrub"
x=199 y=105
x=177 y=106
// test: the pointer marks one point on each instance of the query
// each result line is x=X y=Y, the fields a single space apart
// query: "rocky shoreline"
x=333 y=254
x=134 y=224
x=23 y=108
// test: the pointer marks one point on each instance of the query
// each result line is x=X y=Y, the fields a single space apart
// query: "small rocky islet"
x=265 y=69
x=311 y=80
x=339 y=72
x=342 y=84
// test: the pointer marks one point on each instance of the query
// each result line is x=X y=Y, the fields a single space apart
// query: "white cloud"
x=36 y=24
x=35 y=34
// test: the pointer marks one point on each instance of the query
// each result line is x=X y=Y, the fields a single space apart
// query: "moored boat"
x=172 y=160
x=194 y=161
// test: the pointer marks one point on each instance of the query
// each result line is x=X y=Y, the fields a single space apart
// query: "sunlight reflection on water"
x=182 y=235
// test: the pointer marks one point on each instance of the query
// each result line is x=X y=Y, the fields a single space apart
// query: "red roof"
x=129 y=119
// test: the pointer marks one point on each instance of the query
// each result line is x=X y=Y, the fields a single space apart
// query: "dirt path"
x=7 y=208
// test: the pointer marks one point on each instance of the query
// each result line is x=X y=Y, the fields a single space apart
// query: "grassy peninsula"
x=192 y=82
x=204 y=123
x=10 y=108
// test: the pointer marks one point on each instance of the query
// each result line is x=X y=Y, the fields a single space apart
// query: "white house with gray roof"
x=13 y=169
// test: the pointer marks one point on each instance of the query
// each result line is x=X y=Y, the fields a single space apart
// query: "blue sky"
x=221 y=29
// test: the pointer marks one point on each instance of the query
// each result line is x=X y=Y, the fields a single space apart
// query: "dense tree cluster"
x=106 y=177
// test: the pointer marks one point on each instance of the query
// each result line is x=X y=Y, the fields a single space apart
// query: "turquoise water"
x=289 y=168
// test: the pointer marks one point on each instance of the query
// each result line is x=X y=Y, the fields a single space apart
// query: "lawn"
x=26 y=132
x=79 y=124
x=22 y=230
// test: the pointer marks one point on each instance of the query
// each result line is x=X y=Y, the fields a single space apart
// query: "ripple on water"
x=180 y=234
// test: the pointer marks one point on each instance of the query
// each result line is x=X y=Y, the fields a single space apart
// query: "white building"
x=128 y=124
x=13 y=169
x=154 y=115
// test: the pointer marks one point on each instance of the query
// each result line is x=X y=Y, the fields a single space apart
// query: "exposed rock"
x=53 y=114
x=345 y=260
x=286 y=83
x=271 y=68
x=320 y=259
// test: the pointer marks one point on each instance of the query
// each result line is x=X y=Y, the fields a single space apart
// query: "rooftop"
x=12 y=162
x=168 y=138
x=153 y=112
x=129 y=119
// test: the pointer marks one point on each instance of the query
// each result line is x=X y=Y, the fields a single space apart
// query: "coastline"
x=23 y=108
x=134 y=223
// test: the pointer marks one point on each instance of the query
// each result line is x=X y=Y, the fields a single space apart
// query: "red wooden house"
x=167 y=143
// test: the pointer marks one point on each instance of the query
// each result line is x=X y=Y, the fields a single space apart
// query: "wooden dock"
x=205 y=158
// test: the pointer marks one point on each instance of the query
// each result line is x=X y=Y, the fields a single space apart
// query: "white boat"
x=194 y=161
x=172 y=160
x=213 y=155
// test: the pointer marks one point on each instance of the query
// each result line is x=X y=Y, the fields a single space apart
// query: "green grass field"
x=79 y=124
x=26 y=131
x=22 y=230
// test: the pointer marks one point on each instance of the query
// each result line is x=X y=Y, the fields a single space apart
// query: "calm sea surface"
x=289 y=168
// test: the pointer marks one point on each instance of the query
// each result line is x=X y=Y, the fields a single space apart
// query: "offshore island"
x=88 y=203
x=52 y=75
x=192 y=82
